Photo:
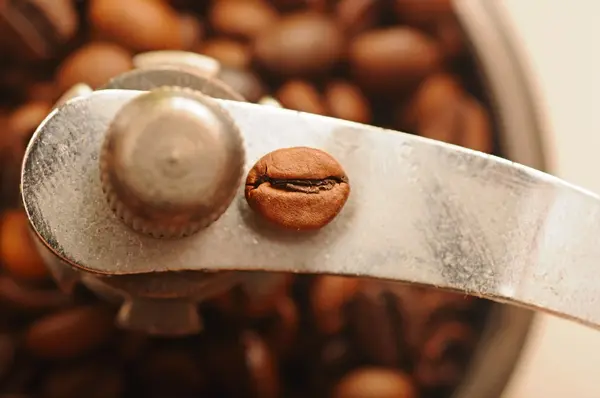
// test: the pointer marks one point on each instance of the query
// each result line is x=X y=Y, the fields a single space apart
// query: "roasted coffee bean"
x=18 y=254
x=229 y=53
x=433 y=97
x=449 y=34
x=262 y=369
x=26 y=119
x=392 y=60
x=356 y=16
x=8 y=349
x=93 y=64
x=301 y=96
x=42 y=92
x=263 y=290
x=346 y=101
x=282 y=326
x=444 y=355
x=172 y=372
x=422 y=12
x=382 y=345
x=141 y=25
x=329 y=295
x=477 y=129
x=243 y=19
x=93 y=380
x=376 y=383
x=299 y=45
x=297 y=188
x=69 y=333
x=244 y=82
x=21 y=297
x=36 y=29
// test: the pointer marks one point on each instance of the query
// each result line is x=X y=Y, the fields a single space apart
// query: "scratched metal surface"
x=419 y=211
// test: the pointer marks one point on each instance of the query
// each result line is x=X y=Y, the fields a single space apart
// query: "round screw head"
x=172 y=162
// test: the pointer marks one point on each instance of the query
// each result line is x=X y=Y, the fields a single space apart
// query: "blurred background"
x=411 y=65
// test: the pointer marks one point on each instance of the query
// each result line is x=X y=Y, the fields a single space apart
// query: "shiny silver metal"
x=172 y=161
x=421 y=212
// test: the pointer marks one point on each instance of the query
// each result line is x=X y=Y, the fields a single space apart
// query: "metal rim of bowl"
x=507 y=327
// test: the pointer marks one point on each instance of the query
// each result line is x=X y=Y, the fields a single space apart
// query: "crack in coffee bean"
x=304 y=186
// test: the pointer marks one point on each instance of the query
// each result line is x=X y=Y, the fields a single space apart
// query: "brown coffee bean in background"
x=375 y=383
x=242 y=19
x=20 y=296
x=228 y=52
x=70 y=333
x=297 y=188
x=8 y=349
x=356 y=16
x=437 y=93
x=93 y=380
x=392 y=60
x=140 y=25
x=299 y=45
x=18 y=254
x=301 y=96
x=329 y=295
x=346 y=101
x=172 y=372
x=421 y=12
x=94 y=64
x=262 y=368
x=442 y=358
x=25 y=120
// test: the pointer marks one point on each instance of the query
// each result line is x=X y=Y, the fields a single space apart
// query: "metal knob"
x=171 y=163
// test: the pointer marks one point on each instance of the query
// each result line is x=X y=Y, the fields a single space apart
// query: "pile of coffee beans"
x=401 y=64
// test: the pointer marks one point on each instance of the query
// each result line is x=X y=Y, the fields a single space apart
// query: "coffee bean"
x=26 y=298
x=297 y=188
x=42 y=92
x=18 y=254
x=26 y=119
x=229 y=53
x=329 y=296
x=382 y=345
x=69 y=333
x=243 y=19
x=356 y=16
x=262 y=369
x=301 y=96
x=140 y=25
x=93 y=380
x=94 y=64
x=282 y=326
x=375 y=383
x=444 y=355
x=299 y=45
x=346 y=101
x=449 y=34
x=8 y=349
x=422 y=12
x=54 y=24
x=477 y=129
x=172 y=372
x=390 y=61
x=433 y=97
